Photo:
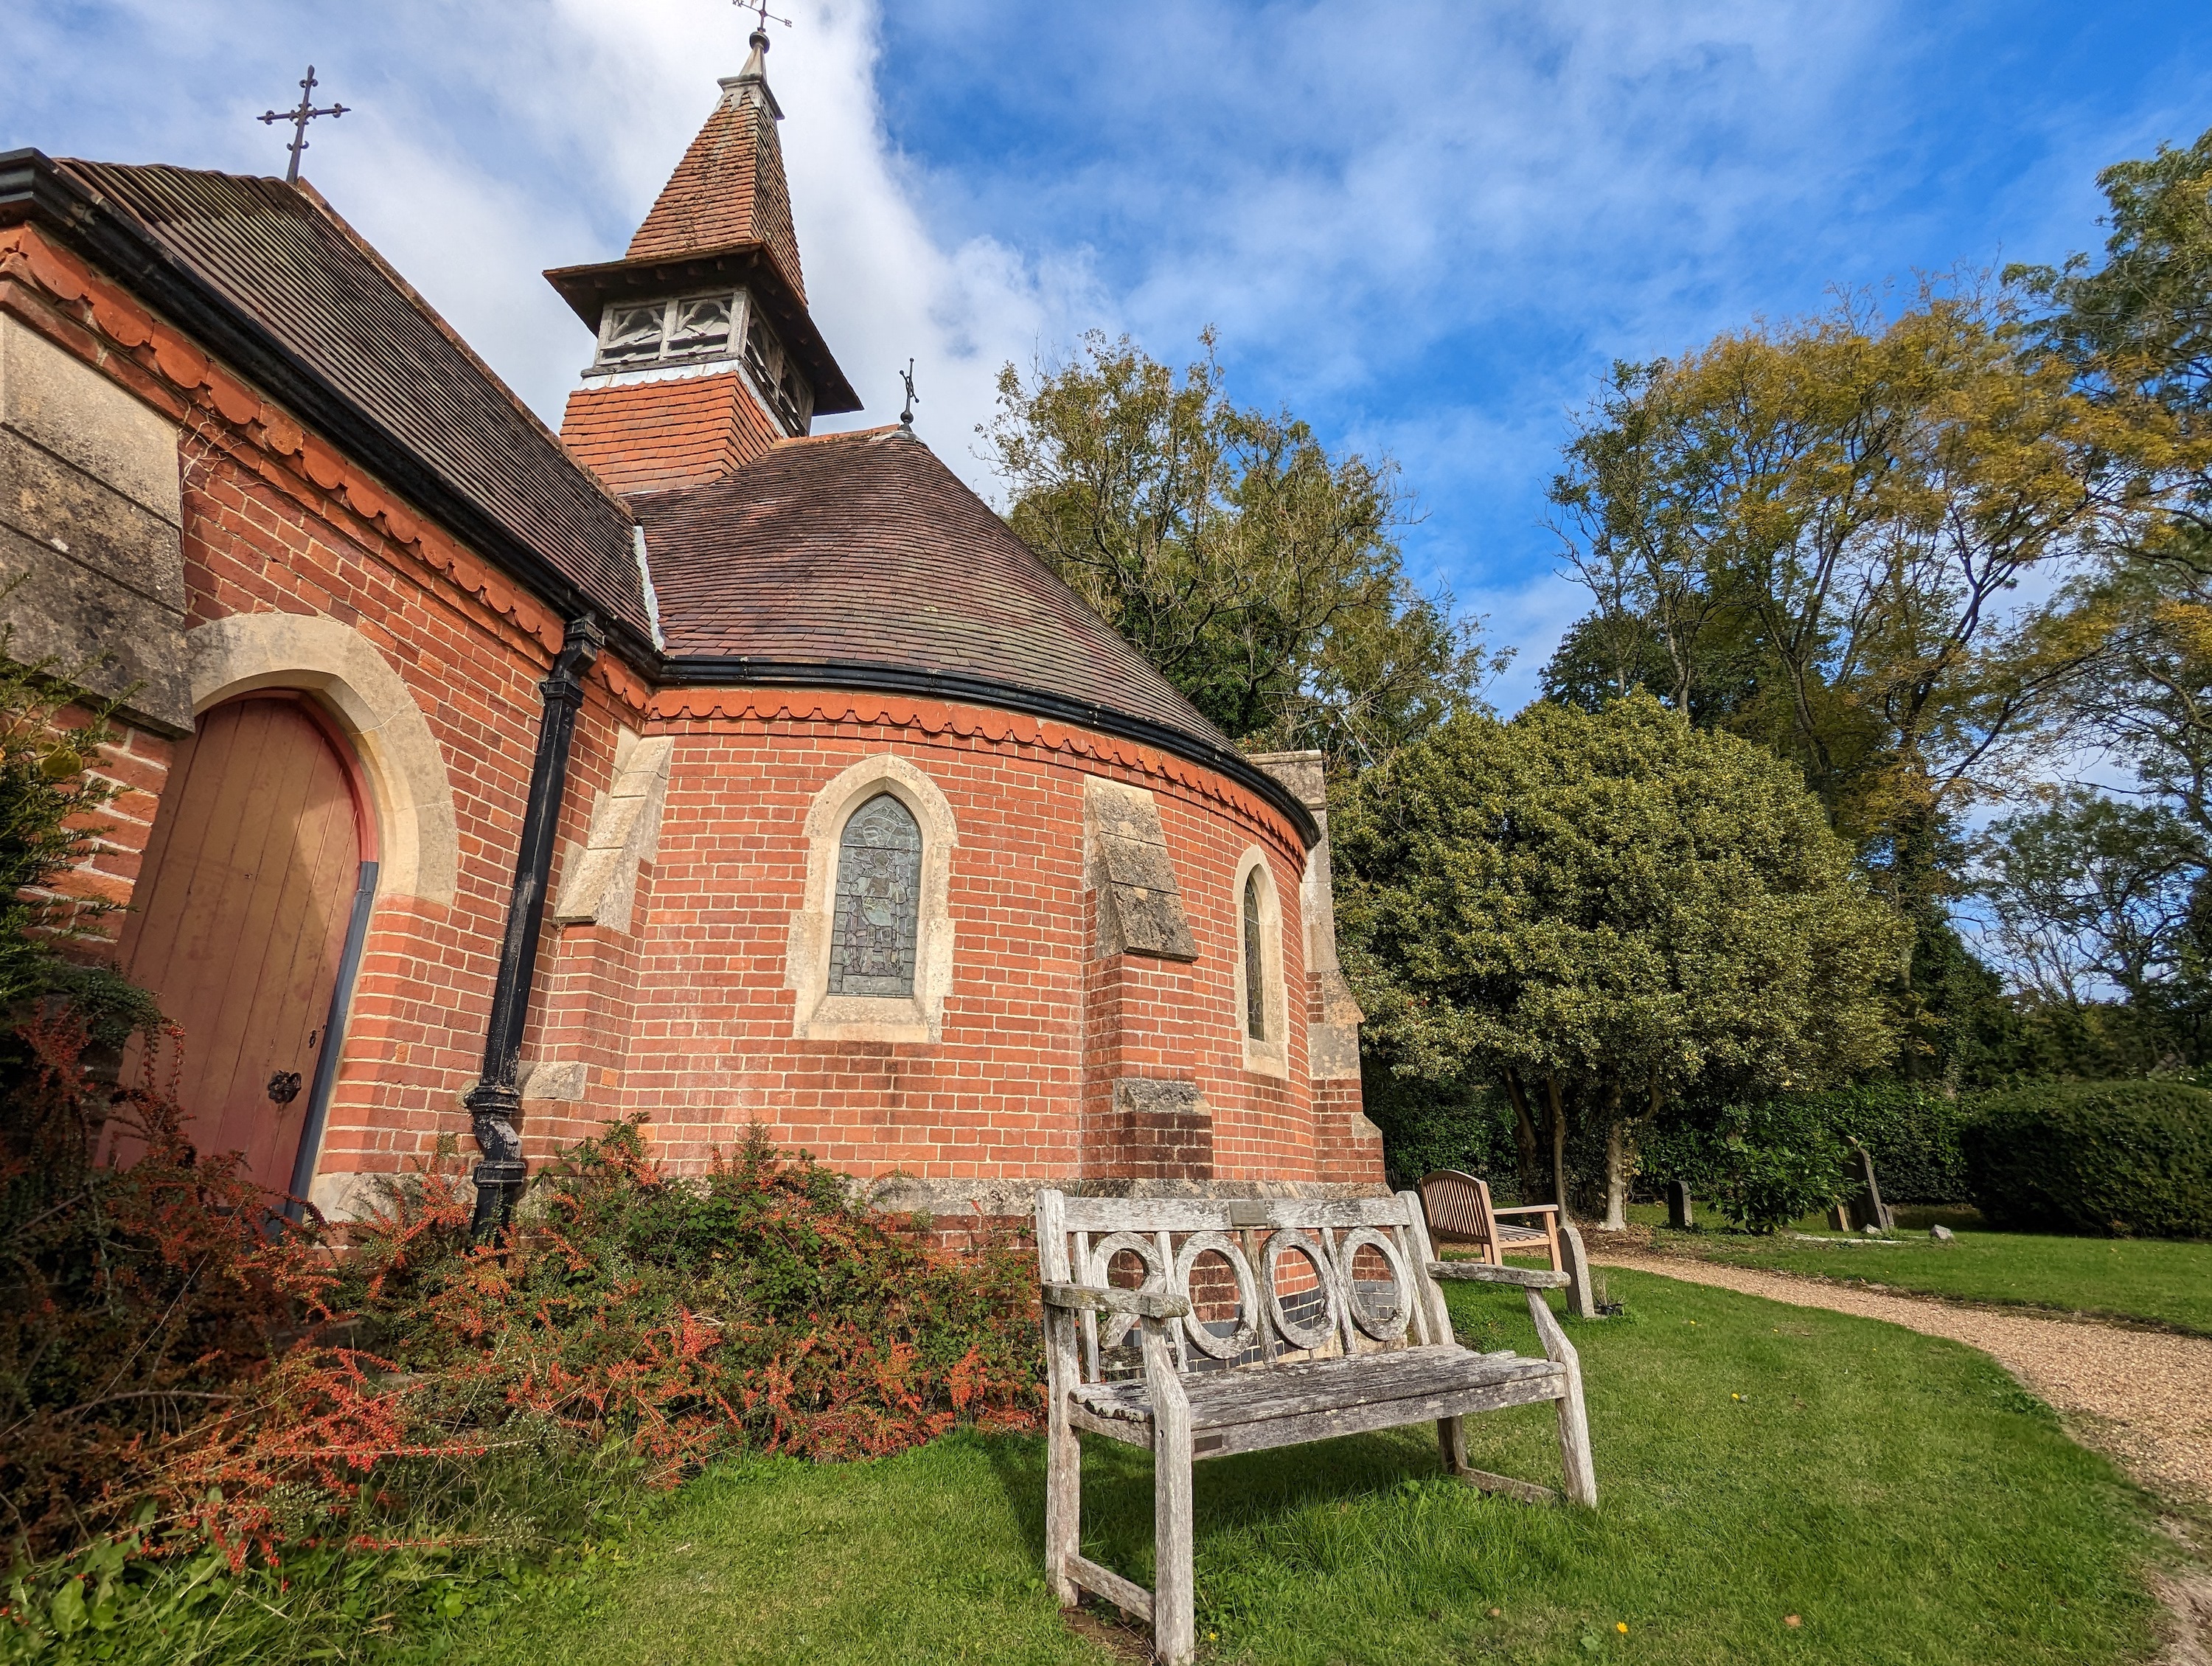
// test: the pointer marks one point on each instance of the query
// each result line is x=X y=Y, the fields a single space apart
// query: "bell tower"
x=703 y=353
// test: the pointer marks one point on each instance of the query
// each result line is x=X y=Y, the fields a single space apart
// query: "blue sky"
x=1426 y=228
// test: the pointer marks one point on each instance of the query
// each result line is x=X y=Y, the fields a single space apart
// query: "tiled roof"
x=864 y=550
x=729 y=188
x=649 y=436
x=312 y=287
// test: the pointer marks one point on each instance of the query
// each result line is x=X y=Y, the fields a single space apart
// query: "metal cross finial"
x=766 y=17
x=300 y=117
x=906 y=416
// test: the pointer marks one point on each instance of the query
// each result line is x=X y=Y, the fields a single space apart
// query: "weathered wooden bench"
x=1200 y=1327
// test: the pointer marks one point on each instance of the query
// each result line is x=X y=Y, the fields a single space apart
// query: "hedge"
x=1913 y=1136
x=2123 y=1159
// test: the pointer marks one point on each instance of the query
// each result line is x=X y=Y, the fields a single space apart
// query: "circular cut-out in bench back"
x=1113 y=1327
x=1386 y=1323
x=1290 y=1241
x=1247 y=1334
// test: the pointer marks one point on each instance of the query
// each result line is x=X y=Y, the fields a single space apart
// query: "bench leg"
x=1175 y=1621
x=1063 y=1502
x=1574 y=1443
x=1452 y=1437
x=1574 y=1422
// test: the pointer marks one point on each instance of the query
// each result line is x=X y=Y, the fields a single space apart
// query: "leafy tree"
x=1815 y=533
x=2137 y=330
x=1603 y=912
x=1258 y=572
x=2090 y=892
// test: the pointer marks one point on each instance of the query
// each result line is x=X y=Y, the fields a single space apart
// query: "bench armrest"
x=1527 y=1278
x=1106 y=1300
x=1529 y=1209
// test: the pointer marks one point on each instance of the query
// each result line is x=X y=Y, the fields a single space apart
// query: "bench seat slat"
x=1220 y=1399
x=1129 y=1420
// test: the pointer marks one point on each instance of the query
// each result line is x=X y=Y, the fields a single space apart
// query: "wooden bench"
x=1200 y=1327
x=1460 y=1211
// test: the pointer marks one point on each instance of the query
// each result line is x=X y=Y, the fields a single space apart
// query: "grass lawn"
x=2154 y=1279
x=1897 y=1493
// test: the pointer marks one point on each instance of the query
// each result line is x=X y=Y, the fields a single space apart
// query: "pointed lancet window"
x=873 y=930
x=1256 y=962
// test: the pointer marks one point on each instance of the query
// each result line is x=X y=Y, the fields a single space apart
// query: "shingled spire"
x=705 y=353
x=730 y=187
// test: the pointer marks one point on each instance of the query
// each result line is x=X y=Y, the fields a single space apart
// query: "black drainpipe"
x=496 y=1099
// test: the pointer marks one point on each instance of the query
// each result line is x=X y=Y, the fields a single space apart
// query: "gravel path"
x=2143 y=1397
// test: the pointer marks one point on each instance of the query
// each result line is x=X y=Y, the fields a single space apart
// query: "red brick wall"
x=650 y=436
x=1036 y=1028
x=135 y=765
x=276 y=519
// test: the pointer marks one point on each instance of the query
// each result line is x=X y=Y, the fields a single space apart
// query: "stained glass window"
x=878 y=904
x=1255 y=970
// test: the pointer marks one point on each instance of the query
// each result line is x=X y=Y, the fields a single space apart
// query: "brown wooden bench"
x=1460 y=1211
x=1200 y=1327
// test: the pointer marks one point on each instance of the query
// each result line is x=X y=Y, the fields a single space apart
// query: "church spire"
x=730 y=187
x=705 y=355
x=752 y=82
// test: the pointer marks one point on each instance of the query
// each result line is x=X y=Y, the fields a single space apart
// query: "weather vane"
x=299 y=117
x=766 y=17
x=906 y=416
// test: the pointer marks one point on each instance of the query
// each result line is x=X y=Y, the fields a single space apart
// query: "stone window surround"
x=1270 y=1056
x=821 y=1016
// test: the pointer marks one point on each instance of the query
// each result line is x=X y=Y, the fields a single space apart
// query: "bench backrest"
x=1269 y=1280
x=1458 y=1207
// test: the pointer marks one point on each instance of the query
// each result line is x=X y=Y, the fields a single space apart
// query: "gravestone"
x=1866 y=1208
x=1582 y=1302
x=1680 y=1216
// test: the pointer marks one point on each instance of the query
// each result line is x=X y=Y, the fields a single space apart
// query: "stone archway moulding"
x=419 y=843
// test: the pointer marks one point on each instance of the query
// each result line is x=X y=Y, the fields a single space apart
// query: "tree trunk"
x=1529 y=1157
x=1559 y=1146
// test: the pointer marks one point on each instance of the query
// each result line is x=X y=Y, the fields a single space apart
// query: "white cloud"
x=1425 y=224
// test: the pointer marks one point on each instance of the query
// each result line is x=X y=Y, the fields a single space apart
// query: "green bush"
x=1775 y=1162
x=1912 y=1134
x=1427 y=1126
x=2120 y=1159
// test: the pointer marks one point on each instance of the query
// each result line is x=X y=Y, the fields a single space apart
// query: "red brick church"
x=483 y=783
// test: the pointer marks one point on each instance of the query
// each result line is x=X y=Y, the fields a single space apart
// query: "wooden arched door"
x=247 y=919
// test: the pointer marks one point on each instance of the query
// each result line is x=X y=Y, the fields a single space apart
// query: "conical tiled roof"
x=729 y=188
x=849 y=553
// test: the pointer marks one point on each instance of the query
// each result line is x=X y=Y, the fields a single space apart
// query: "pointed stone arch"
x=416 y=832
